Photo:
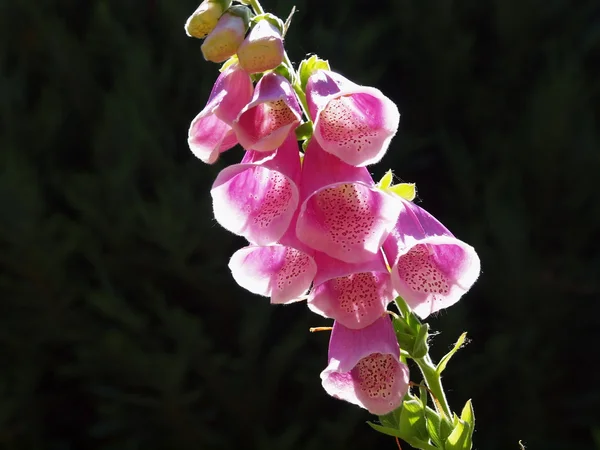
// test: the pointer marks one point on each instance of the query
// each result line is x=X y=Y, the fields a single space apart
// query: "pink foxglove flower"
x=272 y=114
x=364 y=367
x=431 y=269
x=262 y=49
x=210 y=133
x=343 y=214
x=355 y=123
x=281 y=271
x=355 y=295
x=227 y=36
x=258 y=198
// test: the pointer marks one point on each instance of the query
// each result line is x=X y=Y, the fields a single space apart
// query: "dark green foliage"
x=120 y=326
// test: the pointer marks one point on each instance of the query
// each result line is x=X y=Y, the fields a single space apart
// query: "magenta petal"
x=355 y=123
x=431 y=269
x=272 y=114
x=209 y=136
x=258 y=201
x=355 y=295
x=364 y=367
x=347 y=221
x=210 y=132
x=281 y=272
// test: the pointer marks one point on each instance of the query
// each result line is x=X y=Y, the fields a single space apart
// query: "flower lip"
x=431 y=269
x=347 y=221
x=274 y=111
x=355 y=123
x=364 y=367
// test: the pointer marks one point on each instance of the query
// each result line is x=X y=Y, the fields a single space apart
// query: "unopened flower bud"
x=223 y=42
x=262 y=49
x=205 y=18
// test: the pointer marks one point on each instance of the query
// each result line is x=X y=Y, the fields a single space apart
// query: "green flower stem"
x=258 y=9
x=434 y=383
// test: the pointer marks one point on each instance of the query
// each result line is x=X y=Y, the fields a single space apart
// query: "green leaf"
x=308 y=67
x=411 y=440
x=460 y=438
x=444 y=361
x=304 y=131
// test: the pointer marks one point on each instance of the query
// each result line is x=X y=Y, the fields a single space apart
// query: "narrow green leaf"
x=434 y=422
x=421 y=347
x=444 y=361
x=460 y=438
x=468 y=415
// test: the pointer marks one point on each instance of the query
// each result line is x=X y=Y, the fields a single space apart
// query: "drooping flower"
x=269 y=118
x=258 y=197
x=262 y=49
x=205 y=18
x=431 y=269
x=355 y=123
x=227 y=36
x=281 y=271
x=364 y=367
x=342 y=213
x=210 y=132
x=355 y=295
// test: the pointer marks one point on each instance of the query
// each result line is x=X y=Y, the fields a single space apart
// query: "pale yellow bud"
x=205 y=18
x=223 y=42
x=262 y=49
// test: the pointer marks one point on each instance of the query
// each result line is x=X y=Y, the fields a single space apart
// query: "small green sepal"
x=284 y=70
x=229 y=62
x=386 y=180
x=241 y=11
x=304 y=131
x=273 y=20
x=407 y=191
x=308 y=67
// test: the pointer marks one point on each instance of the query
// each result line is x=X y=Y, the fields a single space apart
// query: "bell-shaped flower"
x=270 y=117
x=258 y=197
x=281 y=271
x=205 y=18
x=210 y=133
x=355 y=295
x=262 y=49
x=431 y=269
x=364 y=367
x=342 y=213
x=355 y=123
x=227 y=36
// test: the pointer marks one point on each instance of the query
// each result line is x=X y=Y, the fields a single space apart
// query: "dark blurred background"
x=120 y=325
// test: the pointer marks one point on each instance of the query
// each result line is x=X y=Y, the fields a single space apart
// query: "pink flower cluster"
x=318 y=226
